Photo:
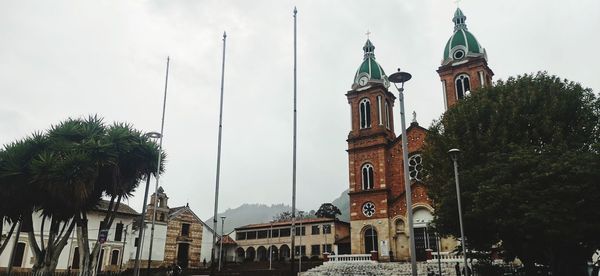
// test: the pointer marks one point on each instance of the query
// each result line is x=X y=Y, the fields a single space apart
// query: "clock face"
x=363 y=80
x=368 y=209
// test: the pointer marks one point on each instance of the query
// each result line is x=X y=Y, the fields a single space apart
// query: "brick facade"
x=175 y=238
x=379 y=146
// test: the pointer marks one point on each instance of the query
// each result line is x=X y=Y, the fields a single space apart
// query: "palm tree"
x=133 y=158
x=64 y=174
x=15 y=159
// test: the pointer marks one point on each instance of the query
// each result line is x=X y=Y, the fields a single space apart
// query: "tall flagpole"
x=157 y=175
x=214 y=239
x=294 y=157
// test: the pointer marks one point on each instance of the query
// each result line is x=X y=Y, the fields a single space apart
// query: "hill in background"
x=260 y=213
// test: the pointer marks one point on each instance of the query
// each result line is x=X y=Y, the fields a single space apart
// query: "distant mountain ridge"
x=249 y=213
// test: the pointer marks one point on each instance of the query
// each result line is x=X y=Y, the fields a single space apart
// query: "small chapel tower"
x=464 y=66
x=159 y=201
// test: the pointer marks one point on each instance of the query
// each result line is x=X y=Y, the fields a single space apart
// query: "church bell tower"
x=464 y=66
x=368 y=151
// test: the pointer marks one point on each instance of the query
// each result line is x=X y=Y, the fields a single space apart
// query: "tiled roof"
x=227 y=240
x=123 y=208
x=286 y=223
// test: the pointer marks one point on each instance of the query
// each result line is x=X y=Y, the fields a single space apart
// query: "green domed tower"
x=369 y=72
x=464 y=64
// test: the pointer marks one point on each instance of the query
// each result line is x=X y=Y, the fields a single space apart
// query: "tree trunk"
x=4 y=243
x=89 y=260
x=46 y=259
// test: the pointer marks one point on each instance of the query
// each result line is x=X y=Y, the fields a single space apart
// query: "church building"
x=378 y=210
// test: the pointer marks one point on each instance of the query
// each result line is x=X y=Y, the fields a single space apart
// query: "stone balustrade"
x=350 y=258
x=446 y=257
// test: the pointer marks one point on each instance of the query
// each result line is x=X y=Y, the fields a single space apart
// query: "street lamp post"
x=454 y=156
x=221 y=245
x=138 y=250
x=439 y=243
x=159 y=136
x=270 y=247
x=402 y=77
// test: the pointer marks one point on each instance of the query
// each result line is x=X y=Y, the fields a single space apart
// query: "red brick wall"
x=448 y=73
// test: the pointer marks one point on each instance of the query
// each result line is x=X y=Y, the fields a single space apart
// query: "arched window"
x=399 y=226
x=365 y=113
x=114 y=257
x=367 y=177
x=463 y=86
x=371 y=240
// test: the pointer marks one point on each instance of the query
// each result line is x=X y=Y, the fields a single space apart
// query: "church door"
x=370 y=240
x=182 y=254
x=424 y=240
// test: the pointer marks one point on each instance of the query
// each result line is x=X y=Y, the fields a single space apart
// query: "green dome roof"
x=462 y=44
x=369 y=70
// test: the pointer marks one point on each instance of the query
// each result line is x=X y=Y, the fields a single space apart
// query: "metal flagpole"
x=157 y=176
x=294 y=156
x=214 y=239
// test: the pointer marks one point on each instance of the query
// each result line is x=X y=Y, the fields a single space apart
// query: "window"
x=162 y=217
x=315 y=230
x=326 y=229
x=251 y=235
x=368 y=209
x=275 y=233
x=300 y=250
x=75 y=262
x=136 y=242
x=284 y=232
x=185 y=229
x=114 y=257
x=387 y=115
x=300 y=231
x=365 y=113
x=240 y=235
x=463 y=86
x=415 y=167
x=19 y=254
x=262 y=234
x=119 y=232
x=458 y=54
x=367 y=177
x=327 y=248
x=315 y=250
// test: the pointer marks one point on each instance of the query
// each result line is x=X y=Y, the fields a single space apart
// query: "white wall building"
x=119 y=242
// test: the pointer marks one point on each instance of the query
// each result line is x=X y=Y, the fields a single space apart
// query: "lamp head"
x=400 y=77
x=153 y=135
x=454 y=154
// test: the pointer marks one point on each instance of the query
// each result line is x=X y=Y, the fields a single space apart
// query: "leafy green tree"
x=328 y=210
x=529 y=171
x=64 y=173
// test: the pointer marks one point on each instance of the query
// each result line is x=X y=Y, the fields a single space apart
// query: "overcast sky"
x=61 y=59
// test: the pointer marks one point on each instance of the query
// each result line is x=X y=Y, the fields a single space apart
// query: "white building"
x=119 y=242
